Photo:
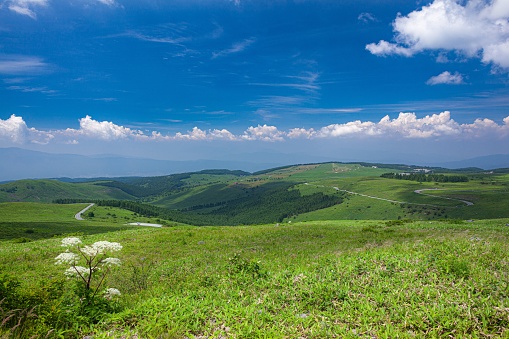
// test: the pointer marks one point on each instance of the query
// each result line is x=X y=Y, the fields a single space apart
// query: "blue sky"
x=363 y=80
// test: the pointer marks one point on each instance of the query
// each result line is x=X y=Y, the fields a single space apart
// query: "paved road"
x=468 y=203
x=78 y=215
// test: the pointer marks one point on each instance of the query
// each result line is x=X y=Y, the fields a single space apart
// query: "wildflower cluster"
x=95 y=258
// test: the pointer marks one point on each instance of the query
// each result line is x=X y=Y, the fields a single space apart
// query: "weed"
x=240 y=265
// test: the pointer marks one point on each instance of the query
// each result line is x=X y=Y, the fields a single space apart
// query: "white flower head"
x=71 y=241
x=68 y=258
x=77 y=271
x=111 y=261
x=106 y=246
x=100 y=247
x=111 y=292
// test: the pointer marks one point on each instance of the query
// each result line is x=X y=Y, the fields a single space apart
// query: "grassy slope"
x=343 y=279
x=490 y=195
x=48 y=190
x=206 y=193
x=34 y=221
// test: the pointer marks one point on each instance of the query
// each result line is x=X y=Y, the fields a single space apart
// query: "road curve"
x=468 y=203
x=78 y=215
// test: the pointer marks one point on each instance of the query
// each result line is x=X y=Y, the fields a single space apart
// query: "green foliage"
x=15 y=231
x=47 y=190
x=422 y=177
x=237 y=264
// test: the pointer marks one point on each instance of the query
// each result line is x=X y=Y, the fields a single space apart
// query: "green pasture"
x=23 y=222
x=38 y=212
x=48 y=190
x=320 y=279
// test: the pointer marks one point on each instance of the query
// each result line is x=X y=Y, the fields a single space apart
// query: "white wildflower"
x=100 y=247
x=89 y=251
x=71 y=241
x=68 y=258
x=106 y=246
x=111 y=292
x=77 y=271
x=111 y=261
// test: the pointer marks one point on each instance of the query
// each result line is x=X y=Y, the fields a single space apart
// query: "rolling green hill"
x=327 y=191
x=300 y=274
x=49 y=190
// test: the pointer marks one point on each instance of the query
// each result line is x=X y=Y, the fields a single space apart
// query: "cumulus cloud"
x=446 y=78
x=471 y=28
x=26 y=7
x=407 y=125
x=263 y=133
x=103 y=130
x=16 y=131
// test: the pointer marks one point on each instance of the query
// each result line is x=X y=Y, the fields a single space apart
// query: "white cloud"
x=471 y=28
x=25 y=7
x=409 y=126
x=298 y=133
x=103 y=130
x=366 y=17
x=446 y=78
x=384 y=48
x=108 y=2
x=263 y=133
x=22 y=65
x=27 y=89
x=15 y=130
x=236 y=48
x=357 y=128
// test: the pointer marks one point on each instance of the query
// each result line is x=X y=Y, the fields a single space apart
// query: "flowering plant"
x=95 y=259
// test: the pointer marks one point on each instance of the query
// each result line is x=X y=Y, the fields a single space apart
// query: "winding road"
x=468 y=203
x=78 y=215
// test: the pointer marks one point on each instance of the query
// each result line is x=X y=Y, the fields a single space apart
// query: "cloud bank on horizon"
x=15 y=131
x=251 y=71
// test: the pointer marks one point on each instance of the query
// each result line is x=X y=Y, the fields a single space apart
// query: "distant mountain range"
x=17 y=163
x=487 y=162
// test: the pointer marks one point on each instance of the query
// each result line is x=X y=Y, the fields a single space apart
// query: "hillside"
x=334 y=279
x=326 y=191
x=49 y=190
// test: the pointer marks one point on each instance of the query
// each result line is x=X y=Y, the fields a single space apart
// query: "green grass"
x=330 y=279
x=37 y=212
x=22 y=222
x=205 y=194
x=48 y=190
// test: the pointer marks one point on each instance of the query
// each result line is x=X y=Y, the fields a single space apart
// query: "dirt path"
x=78 y=215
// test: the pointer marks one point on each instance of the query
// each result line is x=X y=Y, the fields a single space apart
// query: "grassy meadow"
x=329 y=279
x=385 y=262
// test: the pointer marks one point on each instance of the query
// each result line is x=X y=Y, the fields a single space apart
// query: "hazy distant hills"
x=486 y=162
x=17 y=163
